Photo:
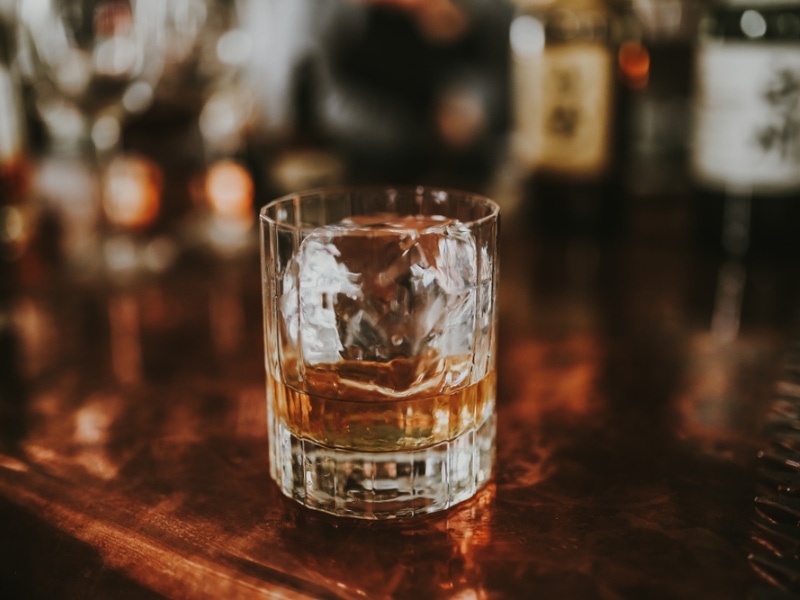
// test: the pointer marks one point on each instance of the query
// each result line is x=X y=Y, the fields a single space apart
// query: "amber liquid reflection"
x=436 y=556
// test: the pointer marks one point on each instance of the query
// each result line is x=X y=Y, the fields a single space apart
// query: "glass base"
x=384 y=485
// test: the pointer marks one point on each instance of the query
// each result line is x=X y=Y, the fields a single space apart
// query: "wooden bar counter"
x=635 y=378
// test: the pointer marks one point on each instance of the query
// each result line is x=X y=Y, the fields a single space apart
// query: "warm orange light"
x=113 y=18
x=634 y=64
x=461 y=118
x=17 y=218
x=132 y=192
x=15 y=176
x=229 y=190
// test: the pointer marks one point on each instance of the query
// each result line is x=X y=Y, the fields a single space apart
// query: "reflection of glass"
x=444 y=556
x=727 y=315
x=723 y=362
x=380 y=334
x=125 y=336
x=92 y=432
x=226 y=311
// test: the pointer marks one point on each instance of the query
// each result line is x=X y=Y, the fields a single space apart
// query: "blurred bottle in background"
x=411 y=91
x=569 y=106
x=745 y=145
x=286 y=149
x=659 y=118
x=17 y=214
x=659 y=121
x=281 y=37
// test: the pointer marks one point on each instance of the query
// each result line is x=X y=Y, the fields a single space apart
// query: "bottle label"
x=747 y=117
x=563 y=109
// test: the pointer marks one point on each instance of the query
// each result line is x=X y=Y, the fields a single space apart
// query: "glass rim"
x=492 y=205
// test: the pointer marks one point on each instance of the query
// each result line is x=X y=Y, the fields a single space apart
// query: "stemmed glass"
x=89 y=63
x=204 y=81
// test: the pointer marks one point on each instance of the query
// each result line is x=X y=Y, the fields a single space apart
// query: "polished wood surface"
x=631 y=398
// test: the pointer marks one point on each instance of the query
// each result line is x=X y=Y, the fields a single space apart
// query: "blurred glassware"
x=282 y=35
x=659 y=117
x=17 y=212
x=305 y=168
x=745 y=142
x=201 y=121
x=89 y=62
x=567 y=60
x=207 y=48
x=223 y=214
x=133 y=244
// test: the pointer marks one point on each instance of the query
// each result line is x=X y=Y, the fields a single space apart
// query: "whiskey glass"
x=380 y=335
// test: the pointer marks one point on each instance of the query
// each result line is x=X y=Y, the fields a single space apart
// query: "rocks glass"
x=380 y=336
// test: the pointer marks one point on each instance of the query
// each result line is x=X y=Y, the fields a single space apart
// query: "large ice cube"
x=313 y=281
x=383 y=287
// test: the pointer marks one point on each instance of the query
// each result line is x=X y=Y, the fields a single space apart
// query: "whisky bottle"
x=566 y=108
x=744 y=154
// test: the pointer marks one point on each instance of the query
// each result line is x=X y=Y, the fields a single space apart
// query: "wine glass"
x=203 y=87
x=88 y=62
